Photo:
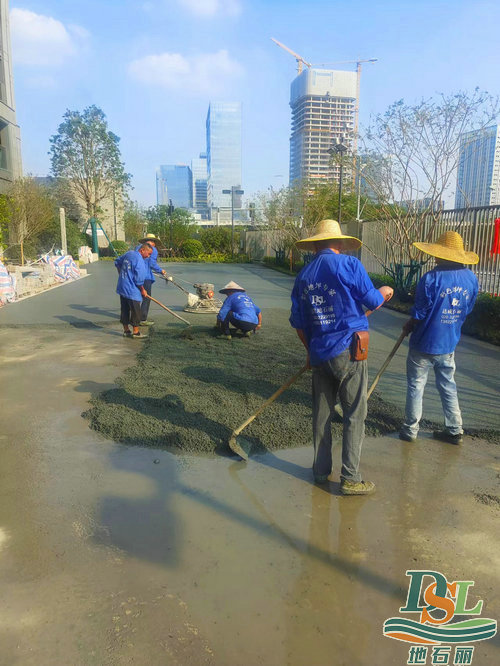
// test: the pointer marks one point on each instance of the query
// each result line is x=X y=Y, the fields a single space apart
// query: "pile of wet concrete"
x=190 y=392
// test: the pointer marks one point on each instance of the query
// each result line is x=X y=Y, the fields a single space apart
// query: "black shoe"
x=407 y=438
x=444 y=436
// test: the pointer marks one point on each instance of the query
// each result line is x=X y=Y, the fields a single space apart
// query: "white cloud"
x=205 y=73
x=40 y=40
x=42 y=82
x=212 y=7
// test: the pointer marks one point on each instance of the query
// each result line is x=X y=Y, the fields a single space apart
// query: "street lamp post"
x=234 y=190
x=339 y=148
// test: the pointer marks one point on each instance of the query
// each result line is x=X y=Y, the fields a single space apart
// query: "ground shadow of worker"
x=137 y=514
x=327 y=604
x=95 y=310
x=169 y=409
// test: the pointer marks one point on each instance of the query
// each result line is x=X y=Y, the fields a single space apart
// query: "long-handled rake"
x=168 y=310
x=233 y=444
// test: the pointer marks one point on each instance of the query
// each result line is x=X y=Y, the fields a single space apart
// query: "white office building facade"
x=478 y=173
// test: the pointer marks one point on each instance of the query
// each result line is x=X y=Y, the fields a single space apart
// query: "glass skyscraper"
x=478 y=175
x=199 y=171
x=223 y=154
x=174 y=181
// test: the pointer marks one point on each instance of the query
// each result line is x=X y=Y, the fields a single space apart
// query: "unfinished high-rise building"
x=323 y=105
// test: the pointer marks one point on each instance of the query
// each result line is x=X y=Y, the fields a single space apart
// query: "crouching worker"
x=132 y=272
x=238 y=310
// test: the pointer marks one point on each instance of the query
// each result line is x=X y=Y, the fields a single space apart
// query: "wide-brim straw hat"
x=449 y=246
x=231 y=286
x=151 y=237
x=329 y=230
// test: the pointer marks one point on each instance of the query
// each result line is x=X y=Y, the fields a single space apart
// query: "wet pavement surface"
x=114 y=554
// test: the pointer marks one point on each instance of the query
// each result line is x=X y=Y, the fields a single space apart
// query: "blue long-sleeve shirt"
x=131 y=276
x=444 y=298
x=242 y=307
x=327 y=300
x=151 y=264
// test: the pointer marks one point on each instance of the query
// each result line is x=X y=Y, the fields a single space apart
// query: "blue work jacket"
x=327 y=300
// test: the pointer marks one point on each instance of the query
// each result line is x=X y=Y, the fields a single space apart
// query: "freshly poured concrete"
x=108 y=557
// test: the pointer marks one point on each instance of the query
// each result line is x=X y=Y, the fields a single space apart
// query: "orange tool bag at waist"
x=359 y=346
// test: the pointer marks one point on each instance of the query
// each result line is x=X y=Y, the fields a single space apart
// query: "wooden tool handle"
x=167 y=309
x=175 y=283
x=386 y=363
x=271 y=399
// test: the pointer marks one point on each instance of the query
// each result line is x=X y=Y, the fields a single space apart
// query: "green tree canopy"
x=173 y=229
x=85 y=154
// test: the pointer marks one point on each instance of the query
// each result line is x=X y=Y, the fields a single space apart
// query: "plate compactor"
x=203 y=302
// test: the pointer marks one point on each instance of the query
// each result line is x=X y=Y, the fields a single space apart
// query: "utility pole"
x=62 y=220
x=114 y=213
x=170 y=211
x=339 y=148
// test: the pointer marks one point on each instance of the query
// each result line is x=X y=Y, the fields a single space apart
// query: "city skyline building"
x=478 y=173
x=200 y=184
x=323 y=104
x=223 y=131
x=174 y=182
x=10 y=133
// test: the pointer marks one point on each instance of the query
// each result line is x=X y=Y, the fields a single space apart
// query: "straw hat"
x=329 y=230
x=449 y=246
x=231 y=286
x=151 y=237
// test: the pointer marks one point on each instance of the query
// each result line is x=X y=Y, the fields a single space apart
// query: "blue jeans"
x=417 y=369
x=346 y=379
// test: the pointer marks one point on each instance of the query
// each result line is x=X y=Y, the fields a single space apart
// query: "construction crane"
x=300 y=60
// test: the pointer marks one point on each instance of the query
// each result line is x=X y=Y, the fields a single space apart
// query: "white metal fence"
x=476 y=226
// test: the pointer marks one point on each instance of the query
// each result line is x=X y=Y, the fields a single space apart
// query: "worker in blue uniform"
x=131 y=268
x=152 y=267
x=444 y=297
x=239 y=311
x=327 y=312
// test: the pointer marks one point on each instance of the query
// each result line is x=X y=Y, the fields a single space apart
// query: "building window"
x=4 y=144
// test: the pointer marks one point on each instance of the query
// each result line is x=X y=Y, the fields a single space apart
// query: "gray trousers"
x=349 y=380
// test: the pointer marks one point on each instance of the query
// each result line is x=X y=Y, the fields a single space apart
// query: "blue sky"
x=154 y=65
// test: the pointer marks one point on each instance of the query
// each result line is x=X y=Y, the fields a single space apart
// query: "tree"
x=4 y=220
x=134 y=221
x=217 y=239
x=411 y=156
x=172 y=228
x=31 y=211
x=86 y=156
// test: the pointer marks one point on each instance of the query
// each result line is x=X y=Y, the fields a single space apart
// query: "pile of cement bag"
x=7 y=286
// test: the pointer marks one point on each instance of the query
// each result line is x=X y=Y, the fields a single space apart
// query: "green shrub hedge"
x=213 y=258
x=192 y=248
x=484 y=320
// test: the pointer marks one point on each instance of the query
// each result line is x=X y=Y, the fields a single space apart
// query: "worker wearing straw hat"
x=327 y=312
x=239 y=310
x=444 y=298
x=151 y=265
